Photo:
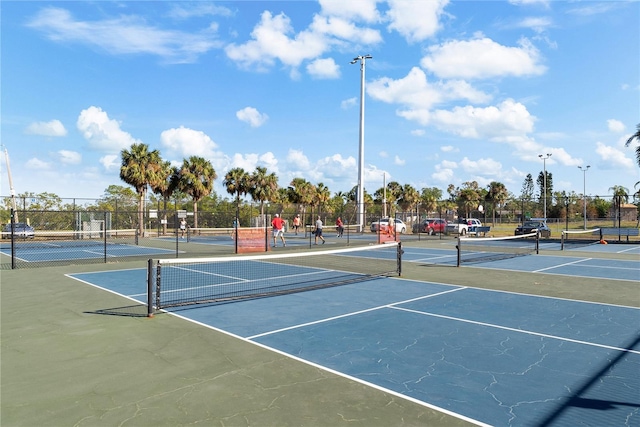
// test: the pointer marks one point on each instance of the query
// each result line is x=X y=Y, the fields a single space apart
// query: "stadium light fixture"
x=584 y=193
x=544 y=172
x=360 y=196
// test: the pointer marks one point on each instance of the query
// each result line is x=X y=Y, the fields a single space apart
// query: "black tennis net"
x=180 y=282
x=43 y=239
x=571 y=239
x=485 y=249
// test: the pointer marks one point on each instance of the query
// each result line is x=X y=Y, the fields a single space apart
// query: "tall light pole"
x=362 y=59
x=544 y=177
x=584 y=193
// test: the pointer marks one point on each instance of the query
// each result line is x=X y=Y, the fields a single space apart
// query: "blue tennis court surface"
x=57 y=252
x=489 y=357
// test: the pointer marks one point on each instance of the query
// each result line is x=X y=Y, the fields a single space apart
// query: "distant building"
x=628 y=212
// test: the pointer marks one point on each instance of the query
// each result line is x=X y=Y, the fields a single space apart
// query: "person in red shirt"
x=278 y=230
x=339 y=226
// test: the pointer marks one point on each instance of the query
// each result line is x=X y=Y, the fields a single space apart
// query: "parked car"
x=534 y=226
x=463 y=226
x=430 y=226
x=21 y=230
x=400 y=226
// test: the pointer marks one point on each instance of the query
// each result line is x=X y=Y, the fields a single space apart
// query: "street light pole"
x=584 y=193
x=362 y=59
x=544 y=166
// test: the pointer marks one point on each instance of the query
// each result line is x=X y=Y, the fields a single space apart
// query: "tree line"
x=144 y=169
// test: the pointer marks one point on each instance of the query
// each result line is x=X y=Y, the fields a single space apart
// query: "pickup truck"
x=463 y=226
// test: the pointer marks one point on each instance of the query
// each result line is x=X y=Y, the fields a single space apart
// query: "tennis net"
x=207 y=234
x=484 y=249
x=180 y=282
x=578 y=238
x=42 y=239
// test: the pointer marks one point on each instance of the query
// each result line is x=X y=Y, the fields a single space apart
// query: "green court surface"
x=76 y=355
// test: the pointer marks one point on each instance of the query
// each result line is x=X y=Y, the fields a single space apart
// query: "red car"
x=430 y=226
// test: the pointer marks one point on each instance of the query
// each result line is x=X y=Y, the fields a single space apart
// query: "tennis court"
x=47 y=251
x=481 y=356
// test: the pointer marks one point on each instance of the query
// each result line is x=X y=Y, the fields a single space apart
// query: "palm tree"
x=429 y=198
x=300 y=193
x=620 y=191
x=237 y=182
x=497 y=194
x=322 y=195
x=165 y=184
x=630 y=140
x=263 y=188
x=409 y=198
x=196 y=179
x=635 y=136
x=139 y=168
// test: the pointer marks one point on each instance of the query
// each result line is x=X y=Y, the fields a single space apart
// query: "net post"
x=13 y=239
x=458 y=250
x=562 y=241
x=150 y=288
x=399 y=255
x=537 y=242
x=104 y=239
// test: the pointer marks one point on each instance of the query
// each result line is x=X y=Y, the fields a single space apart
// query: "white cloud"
x=298 y=159
x=443 y=174
x=484 y=167
x=537 y=24
x=449 y=149
x=110 y=162
x=37 y=164
x=544 y=3
x=361 y=10
x=342 y=29
x=324 y=69
x=248 y=162
x=269 y=161
x=500 y=123
x=482 y=58
x=68 y=157
x=415 y=91
x=50 y=128
x=398 y=161
x=124 y=35
x=612 y=158
x=415 y=20
x=449 y=164
x=615 y=126
x=103 y=133
x=188 y=142
x=418 y=132
x=348 y=103
x=198 y=9
x=336 y=167
x=252 y=116
x=271 y=42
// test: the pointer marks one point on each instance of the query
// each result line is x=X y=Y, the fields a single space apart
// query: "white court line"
x=562 y=265
x=506 y=328
x=627 y=250
x=354 y=313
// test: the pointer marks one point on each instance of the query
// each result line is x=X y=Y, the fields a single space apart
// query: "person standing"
x=339 y=226
x=183 y=226
x=318 y=231
x=278 y=230
x=296 y=223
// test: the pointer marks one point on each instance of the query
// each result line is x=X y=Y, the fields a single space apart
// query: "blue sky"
x=456 y=90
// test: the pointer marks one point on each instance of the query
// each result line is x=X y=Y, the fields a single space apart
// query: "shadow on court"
x=580 y=398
